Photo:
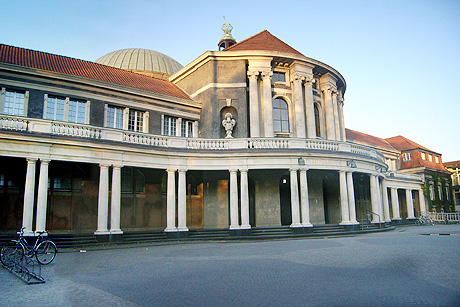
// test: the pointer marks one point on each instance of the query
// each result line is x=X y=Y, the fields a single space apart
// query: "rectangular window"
x=55 y=108
x=77 y=111
x=187 y=128
x=406 y=156
x=437 y=159
x=430 y=158
x=279 y=76
x=136 y=121
x=14 y=103
x=423 y=156
x=114 y=117
x=169 y=126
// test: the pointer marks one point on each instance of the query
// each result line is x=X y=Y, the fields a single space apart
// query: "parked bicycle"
x=13 y=252
x=424 y=220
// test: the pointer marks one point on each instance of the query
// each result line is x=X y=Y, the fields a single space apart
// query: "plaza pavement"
x=409 y=266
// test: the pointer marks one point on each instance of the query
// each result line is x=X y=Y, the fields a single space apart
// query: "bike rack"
x=28 y=270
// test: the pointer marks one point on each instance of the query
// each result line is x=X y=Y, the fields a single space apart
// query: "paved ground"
x=404 y=267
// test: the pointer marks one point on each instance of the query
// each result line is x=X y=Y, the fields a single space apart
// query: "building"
x=454 y=168
x=250 y=136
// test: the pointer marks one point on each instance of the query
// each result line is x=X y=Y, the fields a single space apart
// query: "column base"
x=101 y=232
x=116 y=231
x=295 y=225
x=345 y=223
x=232 y=227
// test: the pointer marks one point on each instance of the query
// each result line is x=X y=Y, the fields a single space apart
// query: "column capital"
x=252 y=74
x=267 y=74
x=104 y=165
x=182 y=170
x=117 y=166
x=297 y=78
x=243 y=170
x=309 y=79
x=233 y=170
x=47 y=161
x=171 y=170
x=30 y=160
x=293 y=169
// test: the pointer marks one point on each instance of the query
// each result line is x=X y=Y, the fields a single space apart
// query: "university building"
x=251 y=136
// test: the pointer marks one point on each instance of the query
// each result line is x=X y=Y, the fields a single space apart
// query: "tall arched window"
x=280 y=116
x=317 y=121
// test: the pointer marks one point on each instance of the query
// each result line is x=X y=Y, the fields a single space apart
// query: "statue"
x=228 y=124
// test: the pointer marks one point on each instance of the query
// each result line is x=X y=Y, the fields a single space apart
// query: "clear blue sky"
x=400 y=59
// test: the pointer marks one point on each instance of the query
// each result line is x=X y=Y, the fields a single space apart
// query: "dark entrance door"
x=285 y=201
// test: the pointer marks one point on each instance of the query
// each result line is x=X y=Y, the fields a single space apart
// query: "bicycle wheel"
x=11 y=253
x=45 y=252
x=418 y=222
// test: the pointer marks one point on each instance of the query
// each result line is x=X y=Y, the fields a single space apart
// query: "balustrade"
x=8 y=122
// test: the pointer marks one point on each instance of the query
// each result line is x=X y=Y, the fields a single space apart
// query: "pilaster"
x=254 y=103
x=268 y=103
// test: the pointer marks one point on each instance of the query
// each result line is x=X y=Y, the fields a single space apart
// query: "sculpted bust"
x=229 y=122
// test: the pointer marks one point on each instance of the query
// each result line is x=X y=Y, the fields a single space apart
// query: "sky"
x=400 y=59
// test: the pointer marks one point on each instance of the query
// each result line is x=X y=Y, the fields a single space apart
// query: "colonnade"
x=239 y=206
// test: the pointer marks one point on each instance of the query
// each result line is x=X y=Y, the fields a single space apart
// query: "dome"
x=141 y=60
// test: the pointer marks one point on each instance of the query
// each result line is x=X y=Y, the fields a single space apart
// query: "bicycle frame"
x=30 y=251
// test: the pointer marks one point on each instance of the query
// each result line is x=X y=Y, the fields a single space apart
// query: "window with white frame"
x=436 y=159
x=280 y=116
x=430 y=158
x=14 y=102
x=77 y=111
x=114 y=117
x=126 y=118
x=136 y=121
x=187 y=128
x=423 y=156
x=406 y=156
x=169 y=125
x=66 y=109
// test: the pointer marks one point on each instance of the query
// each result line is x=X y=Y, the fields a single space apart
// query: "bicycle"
x=424 y=220
x=14 y=251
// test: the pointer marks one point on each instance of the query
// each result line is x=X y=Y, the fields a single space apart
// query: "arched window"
x=280 y=116
x=317 y=121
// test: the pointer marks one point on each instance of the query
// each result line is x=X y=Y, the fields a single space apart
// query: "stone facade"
x=170 y=165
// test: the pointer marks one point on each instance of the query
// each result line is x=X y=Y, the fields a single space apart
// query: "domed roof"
x=137 y=59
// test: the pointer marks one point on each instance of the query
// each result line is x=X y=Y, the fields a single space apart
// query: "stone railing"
x=76 y=130
x=13 y=123
x=129 y=137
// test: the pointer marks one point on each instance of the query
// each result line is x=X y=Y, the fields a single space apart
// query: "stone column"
x=336 y=115
x=182 y=201
x=351 y=198
x=268 y=103
x=310 y=108
x=234 y=222
x=29 y=195
x=244 y=199
x=343 y=136
x=386 y=205
x=299 y=110
x=295 y=199
x=115 y=208
x=171 y=201
x=395 y=203
x=374 y=198
x=410 y=204
x=42 y=202
x=344 y=199
x=330 y=123
x=254 y=103
x=423 y=207
x=103 y=200
x=304 y=202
